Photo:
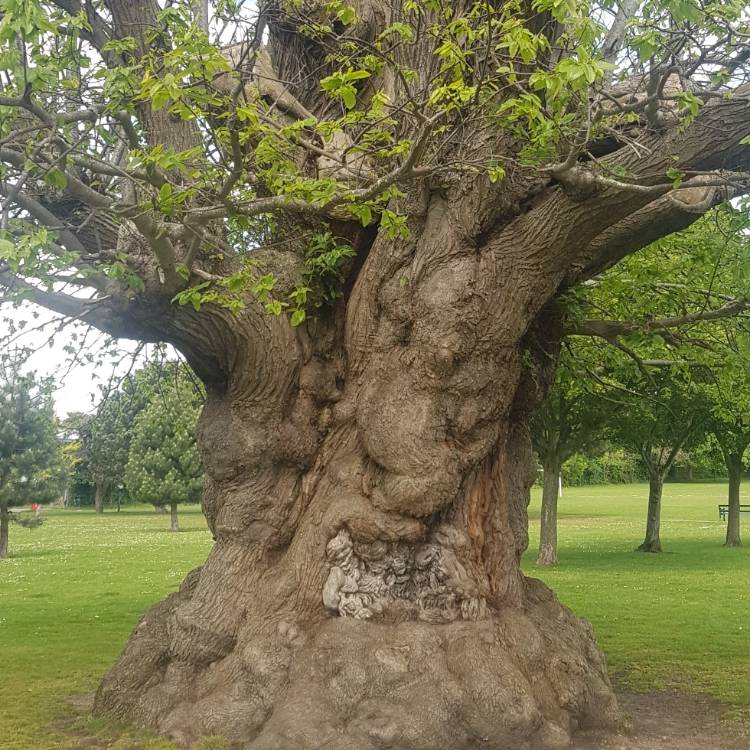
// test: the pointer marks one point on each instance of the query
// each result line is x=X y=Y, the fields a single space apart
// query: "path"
x=670 y=721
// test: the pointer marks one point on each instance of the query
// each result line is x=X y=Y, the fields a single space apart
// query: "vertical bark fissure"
x=734 y=470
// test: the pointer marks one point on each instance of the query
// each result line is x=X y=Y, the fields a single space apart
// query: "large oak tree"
x=351 y=219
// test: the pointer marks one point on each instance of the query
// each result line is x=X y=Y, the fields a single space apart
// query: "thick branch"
x=609 y=330
x=63 y=304
x=657 y=219
x=615 y=38
x=563 y=230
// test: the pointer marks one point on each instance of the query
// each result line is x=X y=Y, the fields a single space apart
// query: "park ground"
x=674 y=626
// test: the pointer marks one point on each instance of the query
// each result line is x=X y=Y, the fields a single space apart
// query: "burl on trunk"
x=367 y=485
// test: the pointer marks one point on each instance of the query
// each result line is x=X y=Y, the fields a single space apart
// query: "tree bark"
x=734 y=469
x=652 y=542
x=367 y=482
x=4 y=524
x=548 y=524
x=99 y=488
x=173 y=524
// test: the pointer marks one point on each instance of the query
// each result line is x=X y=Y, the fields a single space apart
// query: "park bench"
x=724 y=510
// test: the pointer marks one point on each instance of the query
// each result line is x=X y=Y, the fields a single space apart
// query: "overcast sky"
x=79 y=381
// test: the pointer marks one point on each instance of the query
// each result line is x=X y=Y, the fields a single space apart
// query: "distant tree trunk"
x=652 y=542
x=159 y=509
x=99 y=496
x=4 y=523
x=734 y=469
x=548 y=528
x=173 y=525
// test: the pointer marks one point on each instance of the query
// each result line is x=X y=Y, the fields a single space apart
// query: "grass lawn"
x=680 y=619
x=69 y=595
x=73 y=589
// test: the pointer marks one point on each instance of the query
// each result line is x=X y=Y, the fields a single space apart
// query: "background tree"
x=658 y=422
x=571 y=419
x=31 y=462
x=105 y=439
x=678 y=321
x=106 y=435
x=352 y=221
x=725 y=372
x=163 y=466
x=77 y=471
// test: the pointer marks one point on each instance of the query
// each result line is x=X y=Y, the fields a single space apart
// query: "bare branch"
x=609 y=330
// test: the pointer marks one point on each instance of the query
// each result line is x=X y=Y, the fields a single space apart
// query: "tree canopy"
x=163 y=466
x=31 y=463
x=142 y=159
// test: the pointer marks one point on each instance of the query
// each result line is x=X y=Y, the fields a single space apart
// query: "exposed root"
x=523 y=679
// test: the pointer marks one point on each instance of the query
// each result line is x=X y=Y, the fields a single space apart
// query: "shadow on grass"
x=680 y=554
x=167 y=530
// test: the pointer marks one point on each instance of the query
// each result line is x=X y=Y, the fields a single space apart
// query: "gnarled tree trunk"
x=652 y=541
x=734 y=469
x=548 y=522
x=366 y=483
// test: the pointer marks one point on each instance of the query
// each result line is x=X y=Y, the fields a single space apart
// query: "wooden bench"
x=724 y=510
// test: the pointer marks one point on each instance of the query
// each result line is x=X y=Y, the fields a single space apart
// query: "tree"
x=572 y=418
x=31 y=464
x=733 y=438
x=669 y=312
x=352 y=221
x=163 y=463
x=658 y=421
x=106 y=436
x=105 y=439
x=726 y=385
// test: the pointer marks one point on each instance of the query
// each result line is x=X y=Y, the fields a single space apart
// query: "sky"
x=78 y=382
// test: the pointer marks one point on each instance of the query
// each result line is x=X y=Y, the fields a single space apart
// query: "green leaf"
x=298 y=317
x=7 y=249
x=349 y=97
x=56 y=178
x=496 y=173
x=347 y=15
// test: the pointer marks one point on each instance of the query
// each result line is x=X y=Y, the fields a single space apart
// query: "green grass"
x=69 y=595
x=74 y=588
x=680 y=619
